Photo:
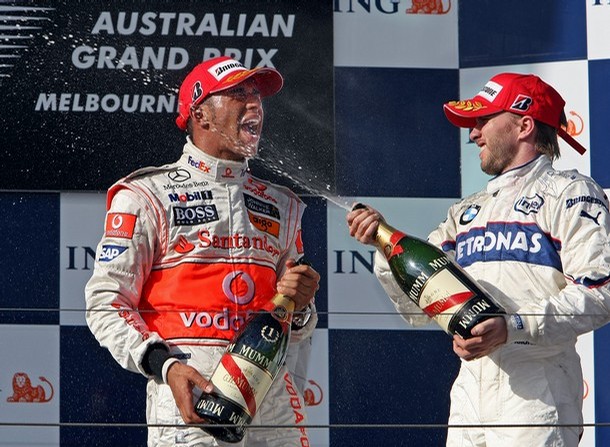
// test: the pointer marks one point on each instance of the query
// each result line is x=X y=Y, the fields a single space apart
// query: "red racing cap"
x=221 y=73
x=523 y=94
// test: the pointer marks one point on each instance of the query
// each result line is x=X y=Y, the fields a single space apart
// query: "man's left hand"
x=487 y=336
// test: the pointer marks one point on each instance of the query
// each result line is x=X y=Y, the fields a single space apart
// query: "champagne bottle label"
x=239 y=379
x=442 y=295
x=435 y=283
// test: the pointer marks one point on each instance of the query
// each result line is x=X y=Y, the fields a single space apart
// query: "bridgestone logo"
x=195 y=215
x=222 y=69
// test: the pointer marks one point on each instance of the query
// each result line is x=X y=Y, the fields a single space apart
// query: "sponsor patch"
x=469 y=215
x=528 y=205
x=258 y=189
x=585 y=199
x=179 y=175
x=199 y=164
x=258 y=206
x=264 y=224
x=111 y=252
x=223 y=68
x=187 y=196
x=299 y=242
x=236 y=241
x=120 y=225
x=490 y=91
x=521 y=103
x=508 y=241
x=595 y=218
x=194 y=215
x=517 y=322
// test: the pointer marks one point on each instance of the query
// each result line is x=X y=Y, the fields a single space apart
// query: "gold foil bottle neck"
x=283 y=307
x=383 y=236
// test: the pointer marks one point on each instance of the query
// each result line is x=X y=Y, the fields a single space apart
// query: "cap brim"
x=268 y=80
x=571 y=141
x=465 y=113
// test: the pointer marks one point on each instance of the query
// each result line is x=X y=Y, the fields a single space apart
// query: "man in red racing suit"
x=190 y=249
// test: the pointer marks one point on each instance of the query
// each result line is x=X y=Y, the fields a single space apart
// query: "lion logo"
x=24 y=391
x=428 y=7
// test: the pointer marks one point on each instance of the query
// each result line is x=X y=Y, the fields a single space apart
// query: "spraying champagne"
x=438 y=285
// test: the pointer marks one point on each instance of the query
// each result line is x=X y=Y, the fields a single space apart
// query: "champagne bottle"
x=246 y=370
x=436 y=283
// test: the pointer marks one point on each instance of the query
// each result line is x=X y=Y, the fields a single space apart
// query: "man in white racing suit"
x=190 y=249
x=538 y=241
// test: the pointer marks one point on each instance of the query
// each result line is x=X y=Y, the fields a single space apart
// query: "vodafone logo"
x=117 y=222
x=238 y=287
x=120 y=225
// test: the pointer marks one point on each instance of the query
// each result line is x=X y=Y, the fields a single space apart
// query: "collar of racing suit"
x=216 y=169
x=540 y=164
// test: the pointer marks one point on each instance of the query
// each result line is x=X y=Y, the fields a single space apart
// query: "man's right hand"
x=182 y=379
x=363 y=223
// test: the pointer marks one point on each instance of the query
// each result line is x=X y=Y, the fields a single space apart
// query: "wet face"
x=496 y=136
x=235 y=119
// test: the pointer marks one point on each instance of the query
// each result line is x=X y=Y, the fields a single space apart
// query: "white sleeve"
x=583 y=227
x=124 y=258
x=407 y=309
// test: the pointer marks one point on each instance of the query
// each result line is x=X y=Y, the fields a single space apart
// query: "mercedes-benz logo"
x=179 y=175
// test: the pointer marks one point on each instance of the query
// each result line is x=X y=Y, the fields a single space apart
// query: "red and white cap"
x=523 y=94
x=221 y=73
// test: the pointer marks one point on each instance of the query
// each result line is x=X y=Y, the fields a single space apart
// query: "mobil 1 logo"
x=194 y=215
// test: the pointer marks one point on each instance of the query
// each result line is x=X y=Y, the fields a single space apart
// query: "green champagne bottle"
x=247 y=369
x=436 y=283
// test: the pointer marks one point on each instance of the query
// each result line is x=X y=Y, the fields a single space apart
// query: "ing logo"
x=429 y=7
x=24 y=391
x=575 y=126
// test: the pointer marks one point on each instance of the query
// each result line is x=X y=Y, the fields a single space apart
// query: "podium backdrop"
x=88 y=93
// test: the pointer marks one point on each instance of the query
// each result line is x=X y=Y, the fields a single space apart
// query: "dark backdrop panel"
x=510 y=33
x=98 y=396
x=389 y=378
x=90 y=93
x=29 y=261
x=393 y=139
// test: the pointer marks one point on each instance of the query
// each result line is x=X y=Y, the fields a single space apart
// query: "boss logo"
x=195 y=215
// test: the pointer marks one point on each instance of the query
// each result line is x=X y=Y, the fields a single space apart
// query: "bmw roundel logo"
x=469 y=215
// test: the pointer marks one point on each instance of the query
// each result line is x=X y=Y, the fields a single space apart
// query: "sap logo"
x=382 y=6
x=110 y=252
x=527 y=205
